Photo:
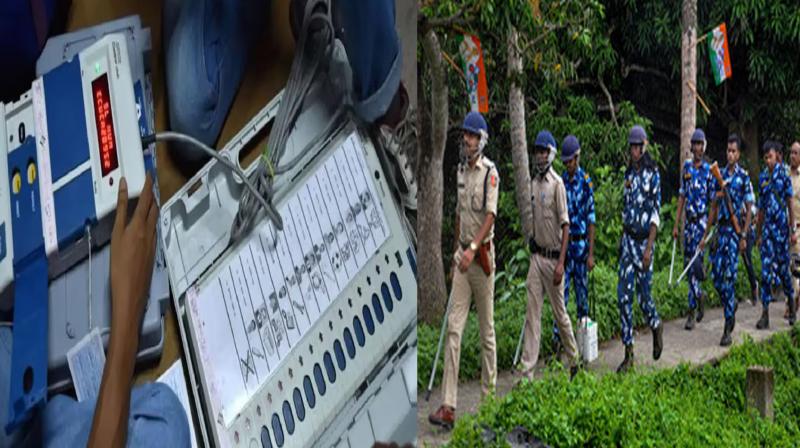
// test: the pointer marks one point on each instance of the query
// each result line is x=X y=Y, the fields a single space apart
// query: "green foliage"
x=683 y=406
x=761 y=36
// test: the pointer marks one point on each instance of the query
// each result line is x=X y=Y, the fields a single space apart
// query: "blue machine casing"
x=29 y=352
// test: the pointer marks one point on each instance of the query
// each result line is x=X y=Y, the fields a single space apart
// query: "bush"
x=682 y=406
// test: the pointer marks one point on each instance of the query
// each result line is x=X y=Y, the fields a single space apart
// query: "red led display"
x=104 y=122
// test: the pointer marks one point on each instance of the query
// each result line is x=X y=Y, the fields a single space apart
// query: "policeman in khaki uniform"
x=478 y=186
x=548 y=256
x=794 y=174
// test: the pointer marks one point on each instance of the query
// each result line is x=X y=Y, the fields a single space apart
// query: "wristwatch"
x=473 y=246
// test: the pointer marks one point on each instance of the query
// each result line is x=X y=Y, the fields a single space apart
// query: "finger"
x=145 y=199
x=122 y=208
x=152 y=220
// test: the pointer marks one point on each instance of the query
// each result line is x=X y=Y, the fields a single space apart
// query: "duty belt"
x=547 y=253
x=694 y=219
x=636 y=235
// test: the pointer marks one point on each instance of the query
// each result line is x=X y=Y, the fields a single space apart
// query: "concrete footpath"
x=698 y=346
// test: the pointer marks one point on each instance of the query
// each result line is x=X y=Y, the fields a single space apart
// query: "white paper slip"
x=271 y=291
x=86 y=361
x=176 y=381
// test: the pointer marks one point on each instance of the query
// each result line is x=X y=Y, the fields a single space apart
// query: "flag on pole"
x=472 y=61
x=719 y=54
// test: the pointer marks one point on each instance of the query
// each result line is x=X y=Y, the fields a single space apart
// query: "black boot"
x=701 y=307
x=690 y=320
x=792 y=311
x=658 y=341
x=763 y=323
x=627 y=363
x=726 y=335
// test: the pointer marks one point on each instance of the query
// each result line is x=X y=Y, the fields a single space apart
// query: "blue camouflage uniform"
x=724 y=260
x=775 y=190
x=580 y=203
x=641 y=204
x=697 y=187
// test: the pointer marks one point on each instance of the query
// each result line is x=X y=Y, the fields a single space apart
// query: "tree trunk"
x=749 y=158
x=519 y=142
x=431 y=290
x=688 y=74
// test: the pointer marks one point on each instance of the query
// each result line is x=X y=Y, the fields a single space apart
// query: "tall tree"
x=431 y=290
x=688 y=76
x=519 y=142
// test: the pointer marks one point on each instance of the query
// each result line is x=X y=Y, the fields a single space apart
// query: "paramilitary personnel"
x=580 y=252
x=774 y=203
x=730 y=209
x=640 y=221
x=696 y=193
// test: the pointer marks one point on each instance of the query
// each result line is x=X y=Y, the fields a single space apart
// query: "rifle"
x=734 y=220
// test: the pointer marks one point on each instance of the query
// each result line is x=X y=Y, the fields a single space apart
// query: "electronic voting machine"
x=305 y=336
x=63 y=148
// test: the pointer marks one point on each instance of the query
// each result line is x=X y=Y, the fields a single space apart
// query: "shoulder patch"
x=493 y=179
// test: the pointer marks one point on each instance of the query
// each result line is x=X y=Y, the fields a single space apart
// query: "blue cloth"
x=206 y=48
x=156 y=415
x=692 y=234
x=641 y=198
x=724 y=261
x=724 y=266
x=580 y=204
x=630 y=271
x=775 y=192
x=21 y=44
x=207 y=44
x=641 y=204
x=156 y=418
x=580 y=201
x=739 y=189
x=373 y=49
x=697 y=188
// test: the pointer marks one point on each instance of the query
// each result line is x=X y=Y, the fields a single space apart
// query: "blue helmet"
x=475 y=123
x=570 y=148
x=545 y=139
x=698 y=136
x=637 y=135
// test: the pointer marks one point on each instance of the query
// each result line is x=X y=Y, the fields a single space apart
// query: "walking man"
x=695 y=192
x=640 y=221
x=731 y=211
x=548 y=255
x=794 y=175
x=776 y=221
x=478 y=185
x=580 y=252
